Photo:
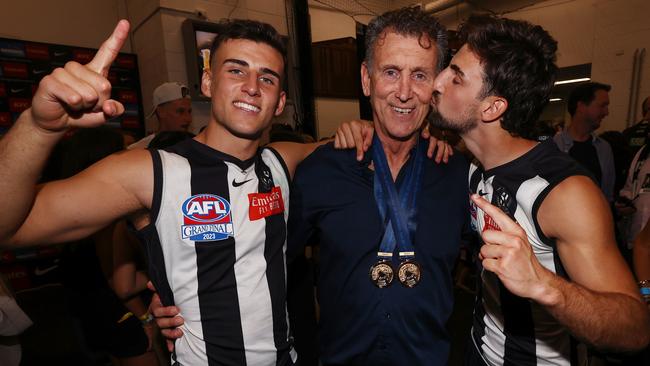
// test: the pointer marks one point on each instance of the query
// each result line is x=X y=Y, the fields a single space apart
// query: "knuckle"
x=104 y=87
x=71 y=65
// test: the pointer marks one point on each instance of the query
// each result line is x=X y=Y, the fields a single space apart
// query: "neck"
x=495 y=148
x=218 y=138
x=579 y=130
x=397 y=152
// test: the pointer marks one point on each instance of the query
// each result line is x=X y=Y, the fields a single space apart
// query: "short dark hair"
x=251 y=30
x=584 y=93
x=518 y=60
x=411 y=22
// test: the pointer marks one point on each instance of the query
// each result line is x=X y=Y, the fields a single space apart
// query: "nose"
x=250 y=85
x=404 y=89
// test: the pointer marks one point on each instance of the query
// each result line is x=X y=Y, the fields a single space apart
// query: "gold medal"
x=409 y=273
x=381 y=274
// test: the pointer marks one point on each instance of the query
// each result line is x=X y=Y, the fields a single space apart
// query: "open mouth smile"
x=247 y=107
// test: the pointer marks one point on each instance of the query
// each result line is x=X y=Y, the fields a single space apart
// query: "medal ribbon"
x=401 y=207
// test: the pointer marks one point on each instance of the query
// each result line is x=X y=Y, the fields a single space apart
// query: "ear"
x=365 y=79
x=206 y=83
x=281 y=102
x=493 y=108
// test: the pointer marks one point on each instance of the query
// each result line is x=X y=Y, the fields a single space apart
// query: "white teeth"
x=247 y=107
x=403 y=110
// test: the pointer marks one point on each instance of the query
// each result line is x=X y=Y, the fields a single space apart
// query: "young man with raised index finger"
x=212 y=209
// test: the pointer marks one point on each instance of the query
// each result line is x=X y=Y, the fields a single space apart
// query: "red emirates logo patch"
x=490 y=224
x=265 y=204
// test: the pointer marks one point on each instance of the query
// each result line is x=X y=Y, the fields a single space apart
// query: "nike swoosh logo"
x=481 y=193
x=40 y=272
x=237 y=184
x=17 y=90
x=36 y=72
x=57 y=54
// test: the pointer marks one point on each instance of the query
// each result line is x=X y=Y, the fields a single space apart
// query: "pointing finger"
x=501 y=219
x=109 y=49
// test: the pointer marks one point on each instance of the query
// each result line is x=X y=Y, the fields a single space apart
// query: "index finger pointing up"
x=502 y=219
x=109 y=49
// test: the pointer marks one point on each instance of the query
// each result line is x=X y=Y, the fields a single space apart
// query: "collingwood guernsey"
x=216 y=247
x=507 y=329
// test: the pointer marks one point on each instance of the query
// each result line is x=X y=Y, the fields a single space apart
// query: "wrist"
x=548 y=294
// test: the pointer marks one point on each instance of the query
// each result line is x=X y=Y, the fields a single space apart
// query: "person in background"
x=588 y=104
x=637 y=134
x=172 y=106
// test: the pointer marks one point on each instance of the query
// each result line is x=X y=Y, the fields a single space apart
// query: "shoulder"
x=327 y=156
x=576 y=203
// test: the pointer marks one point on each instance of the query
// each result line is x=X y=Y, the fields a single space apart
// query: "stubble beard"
x=461 y=126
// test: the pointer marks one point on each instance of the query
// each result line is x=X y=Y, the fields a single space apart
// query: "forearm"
x=23 y=153
x=642 y=261
x=596 y=317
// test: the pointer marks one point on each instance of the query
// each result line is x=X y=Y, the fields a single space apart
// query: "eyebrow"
x=457 y=70
x=264 y=70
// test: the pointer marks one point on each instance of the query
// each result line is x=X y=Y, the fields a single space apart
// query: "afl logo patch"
x=206 y=217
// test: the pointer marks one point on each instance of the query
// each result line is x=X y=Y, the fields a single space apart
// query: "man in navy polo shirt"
x=363 y=320
x=332 y=197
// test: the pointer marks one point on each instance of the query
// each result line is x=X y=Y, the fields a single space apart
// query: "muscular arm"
x=78 y=206
x=73 y=96
x=601 y=304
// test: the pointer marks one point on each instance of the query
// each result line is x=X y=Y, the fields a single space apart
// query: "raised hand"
x=79 y=95
x=510 y=256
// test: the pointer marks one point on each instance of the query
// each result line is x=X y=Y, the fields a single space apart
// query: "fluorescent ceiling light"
x=570 y=81
x=555 y=99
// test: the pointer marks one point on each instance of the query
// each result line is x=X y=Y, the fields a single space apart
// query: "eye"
x=420 y=76
x=456 y=80
x=391 y=73
x=267 y=80
x=235 y=71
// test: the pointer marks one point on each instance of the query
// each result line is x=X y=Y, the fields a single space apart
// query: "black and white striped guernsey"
x=507 y=329
x=216 y=246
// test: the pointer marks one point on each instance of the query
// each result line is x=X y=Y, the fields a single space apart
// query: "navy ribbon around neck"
x=398 y=210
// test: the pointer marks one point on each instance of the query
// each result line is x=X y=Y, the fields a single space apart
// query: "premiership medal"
x=398 y=211
x=381 y=274
x=409 y=273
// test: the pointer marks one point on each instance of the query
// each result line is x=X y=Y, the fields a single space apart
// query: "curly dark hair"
x=249 y=30
x=518 y=60
x=585 y=93
x=410 y=22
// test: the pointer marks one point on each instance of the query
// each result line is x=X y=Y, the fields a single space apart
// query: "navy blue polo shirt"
x=360 y=324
